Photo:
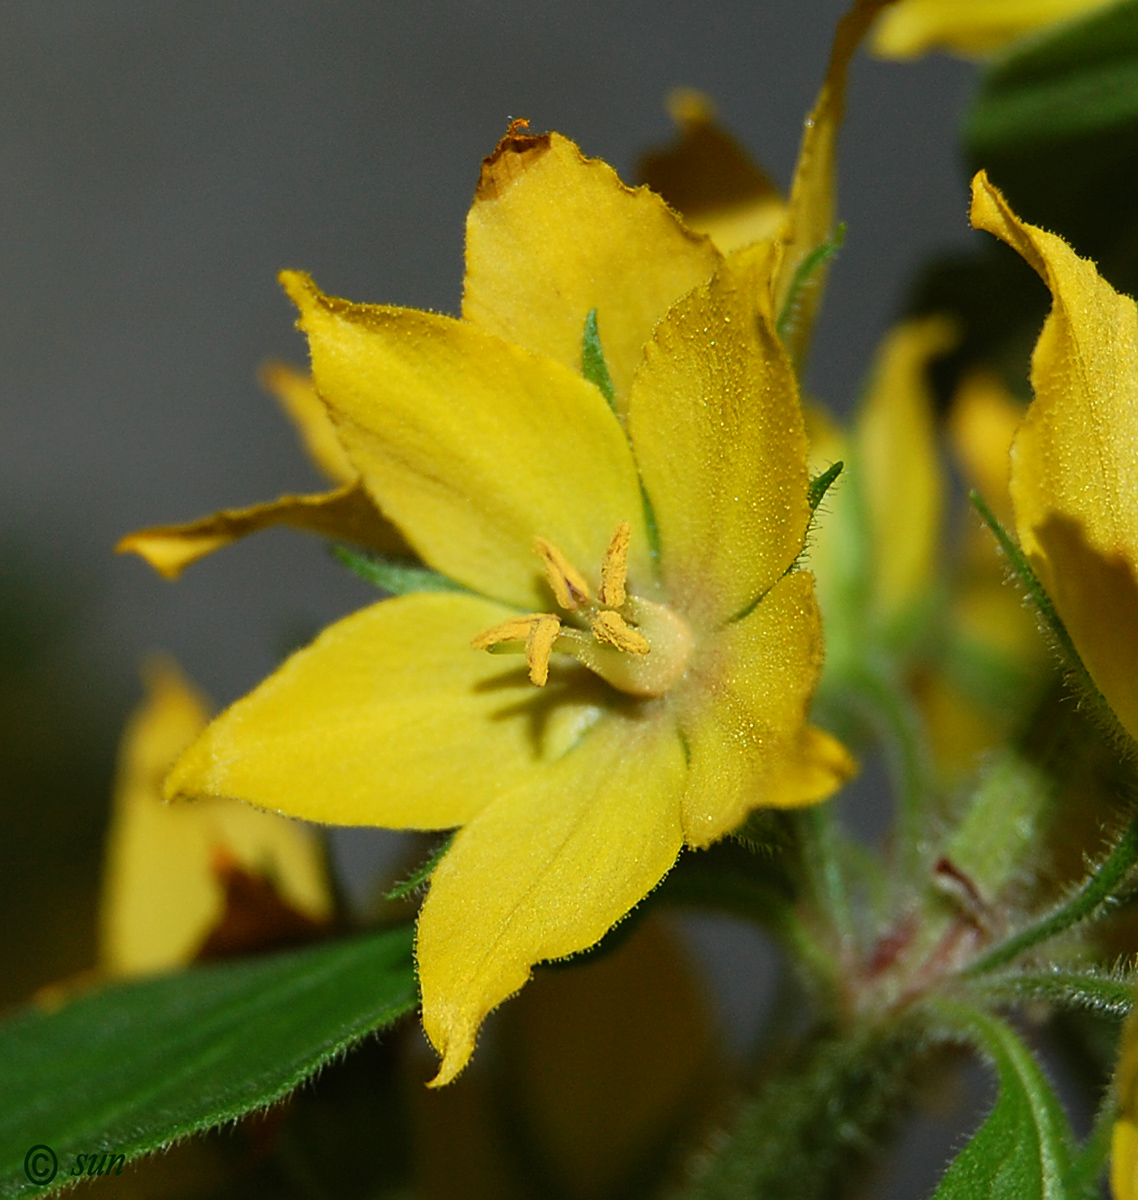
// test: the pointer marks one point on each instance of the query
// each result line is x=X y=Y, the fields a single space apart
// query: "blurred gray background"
x=159 y=163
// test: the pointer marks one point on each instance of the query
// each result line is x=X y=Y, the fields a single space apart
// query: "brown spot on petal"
x=515 y=154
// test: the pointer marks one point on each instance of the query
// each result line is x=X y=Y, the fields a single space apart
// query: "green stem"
x=898 y=728
x=1085 y=903
x=819 y=842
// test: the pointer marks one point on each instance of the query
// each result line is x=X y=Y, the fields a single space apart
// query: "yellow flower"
x=346 y=512
x=970 y=27
x=640 y=555
x=1124 y=1141
x=163 y=893
x=1074 y=473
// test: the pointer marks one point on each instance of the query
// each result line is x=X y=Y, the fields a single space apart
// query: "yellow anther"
x=612 y=629
x=614 y=568
x=569 y=586
x=516 y=629
x=539 y=645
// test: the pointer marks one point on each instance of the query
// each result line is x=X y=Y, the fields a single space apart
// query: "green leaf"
x=134 y=1067
x=593 y=365
x=1021 y=1151
x=1110 y=994
x=397 y=576
x=422 y=873
x=821 y=484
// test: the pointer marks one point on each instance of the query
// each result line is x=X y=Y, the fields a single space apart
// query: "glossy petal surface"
x=347 y=514
x=719 y=437
x=161 y=895
x=388 y=718
x=544 y=871
x=473 y=446
x=1074 y=475
x=552 y=235
x=743 y=716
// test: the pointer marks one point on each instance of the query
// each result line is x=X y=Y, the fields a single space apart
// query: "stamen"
x=569 y=586
x=516 y=629
x=612 y=629
x=539 y=645
x=614 y=568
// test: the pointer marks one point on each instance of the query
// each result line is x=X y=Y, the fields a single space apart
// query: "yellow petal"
x=809 y=219
x=1124 y=1160
x=161 y=895
x=719 y=438
x=898 y=467
x=545 y=871
x=553 y=235
x=474 y=447
x=708 y=178
x=970 y=27
x=348 y=514
x=744 y=719
x=297 y=395
x=982 y=424
x=388 y=718
x=1074 y=474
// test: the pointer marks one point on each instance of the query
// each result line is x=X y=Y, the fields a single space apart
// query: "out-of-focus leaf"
x=132 y=1068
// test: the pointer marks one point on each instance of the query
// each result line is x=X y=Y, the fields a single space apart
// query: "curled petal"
x=348 y=514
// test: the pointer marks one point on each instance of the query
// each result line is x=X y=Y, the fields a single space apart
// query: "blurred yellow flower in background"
x=167 y=865
x=970 y=27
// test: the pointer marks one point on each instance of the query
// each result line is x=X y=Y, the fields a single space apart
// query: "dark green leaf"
x=422 y=873
x=593 y=365
x=134 y=1067
x=397 y=576
x=1021 y=1151
x=821 y=484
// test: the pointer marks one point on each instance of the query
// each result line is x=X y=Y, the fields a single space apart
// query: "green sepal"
x=1107 y=993
x=807 y=276
x=820 y=484
x=1022 y=1150
x=133 y=1067
x=396 y=576
x=421 y=875
x=593 y=365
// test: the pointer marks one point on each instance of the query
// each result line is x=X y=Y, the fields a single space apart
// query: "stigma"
x=638 y=646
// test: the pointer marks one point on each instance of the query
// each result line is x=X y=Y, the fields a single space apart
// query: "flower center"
x=638 y=646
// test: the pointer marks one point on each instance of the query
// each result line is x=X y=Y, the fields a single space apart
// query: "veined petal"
x=545 y=871
x=296 y=394
x=161 y=895
x=719 y=438
x=901 y=476
x=473 y=446
x=1074 y=473
x=809 y=217
x=744 y=718
x=709 y=179
x=389 y=718
x=348 y=513
x=970 y=27
x=553 y=235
